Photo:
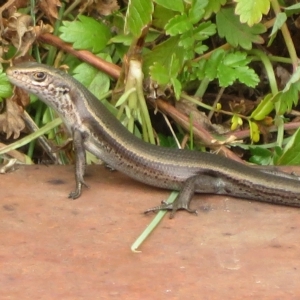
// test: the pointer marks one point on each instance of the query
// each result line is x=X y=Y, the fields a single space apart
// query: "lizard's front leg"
x=80 y=162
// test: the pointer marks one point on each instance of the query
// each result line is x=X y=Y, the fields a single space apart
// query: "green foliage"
x=293 y=9
x=161 y=54
x=228 y=67
x=213 y=6
x=139 y=14
x=279 y=21
x=289 y=96
x=238 y=34
x=97 y=82
x=190 y=47
x=165 y=75
x=5 y=87
x=291 y=152
x=175 y=5
x=251 y=12
x=261 y=156
x=86 y=33
x=263 y=109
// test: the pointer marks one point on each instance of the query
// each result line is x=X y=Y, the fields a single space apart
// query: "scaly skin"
x=95 y=129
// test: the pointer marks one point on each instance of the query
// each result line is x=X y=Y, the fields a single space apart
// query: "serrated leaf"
x=161 y=16
x=291 y=152
x=213 y=6
x=279 y=21
x=174 y=66
x=177 y=25
x=227 y=67
x=138 y=15
x=86 y=33
x=200 y=49
x=236 y=59
x=164 y=74
x=176 y=5
x=251 y=12
x=96 y=81
x=161 y=53
x=289 y=95
x=177 y=87
x=247 y=76
x=196 y=11
x=260 y=156
x=5 y=87
x=198 y=69
x=263 y=109
x=294 y=79
x=288 y=98
x=198 y=34
x=159 y=73
x=211 y=67
x=204 y=31
x=226 y=75
x=238 y=34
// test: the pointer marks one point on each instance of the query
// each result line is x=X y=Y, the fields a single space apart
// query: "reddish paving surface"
x=55 y=248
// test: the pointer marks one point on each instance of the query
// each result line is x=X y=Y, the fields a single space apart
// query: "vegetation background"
x=224 y=74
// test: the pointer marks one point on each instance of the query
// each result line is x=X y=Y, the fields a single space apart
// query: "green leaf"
x=176 y=5
x=226 y=75
x=251 y=12
x=161 y=16
x=279 y=21
x=289 y=95
x=5 y=87
x=96 y=81
x=263 y=109
x=247 y=76
x=236 y=59
x=293 y=9
x=213 y=6
x=193 y=38
x=211 y=67
x=177 y=87
x=138 y=15
x=178 y=25
x=288 y=98
x=260 y=156
x=291 y=152
x=196 y=11
x=86 y=33
x=229 y=67
x=161 y=53
x=166 y=74
x=159 y=73
x=238 y=34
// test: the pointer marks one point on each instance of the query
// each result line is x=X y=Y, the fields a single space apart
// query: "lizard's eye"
x=39 y=76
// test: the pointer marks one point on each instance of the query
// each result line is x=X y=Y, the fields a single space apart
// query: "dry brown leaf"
x=283 y=75
x=20 y=32
x=102 y=7
x=106 y=7
x=11 y=121
x=49 y=8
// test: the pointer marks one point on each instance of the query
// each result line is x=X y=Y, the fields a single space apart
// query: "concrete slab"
x=55 y=248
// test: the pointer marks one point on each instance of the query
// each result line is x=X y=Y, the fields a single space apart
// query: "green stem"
x=287 y=37
x=202 y=87
x=268 y=67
